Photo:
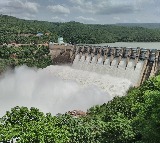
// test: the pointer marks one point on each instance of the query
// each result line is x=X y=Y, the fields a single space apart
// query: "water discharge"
x=114 y=69
x=58 y=89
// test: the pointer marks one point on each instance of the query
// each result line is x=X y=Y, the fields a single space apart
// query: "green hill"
x=24 y=31
x=134 y=118
x=144 y=25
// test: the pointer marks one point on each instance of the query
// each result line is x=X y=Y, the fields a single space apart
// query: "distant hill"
x=15 y=30
x=144 y=25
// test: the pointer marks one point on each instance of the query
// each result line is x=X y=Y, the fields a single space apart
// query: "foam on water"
x=121 y=71
x=58 y=89
x=112 y=85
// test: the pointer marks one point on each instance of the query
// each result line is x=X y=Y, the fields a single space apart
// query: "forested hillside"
x=133 y=118
x=24 y=31
x=145 y=25
x=32 y=56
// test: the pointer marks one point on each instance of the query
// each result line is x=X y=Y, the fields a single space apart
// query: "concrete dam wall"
x=135 y=64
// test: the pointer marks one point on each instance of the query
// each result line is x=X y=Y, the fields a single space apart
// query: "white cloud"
x=117 y=18
x=115 y=10
x=78 y=2
x=108 y=7
x=59 y=9
x=32 y=7
x=84 y=6
x=85 y=18
x=3 y=3
x=101 y=10
x=3 y=10
x=28 y=16
x=58 y=19
x=18 y=7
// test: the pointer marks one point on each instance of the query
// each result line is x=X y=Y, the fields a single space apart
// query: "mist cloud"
x=53 y=90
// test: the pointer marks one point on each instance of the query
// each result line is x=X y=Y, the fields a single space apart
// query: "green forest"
x=24 y=31
x=32 y=56
x=133 y=118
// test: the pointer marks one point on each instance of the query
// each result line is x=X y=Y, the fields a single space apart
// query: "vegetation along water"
x=133 y=118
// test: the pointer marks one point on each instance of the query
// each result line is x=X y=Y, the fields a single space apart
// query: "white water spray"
x=115 y=70
x=57 y=89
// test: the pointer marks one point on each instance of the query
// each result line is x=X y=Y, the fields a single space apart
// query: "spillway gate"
x=135 y=64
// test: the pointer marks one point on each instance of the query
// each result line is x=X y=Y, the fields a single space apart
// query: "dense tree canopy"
x=133 y=118
x=30 y=55
x=24 y=31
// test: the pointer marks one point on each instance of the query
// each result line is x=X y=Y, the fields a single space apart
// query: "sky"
x=84 y=11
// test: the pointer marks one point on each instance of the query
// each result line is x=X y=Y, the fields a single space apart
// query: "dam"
x=95 y=75
x=134 y=64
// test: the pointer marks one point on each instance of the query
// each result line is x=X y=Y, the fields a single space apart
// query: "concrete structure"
x=61 y=53
x=135 y=64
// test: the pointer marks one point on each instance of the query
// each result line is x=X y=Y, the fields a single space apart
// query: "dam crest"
x=134 y=64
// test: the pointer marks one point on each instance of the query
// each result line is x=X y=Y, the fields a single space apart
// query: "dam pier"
x=135 y=64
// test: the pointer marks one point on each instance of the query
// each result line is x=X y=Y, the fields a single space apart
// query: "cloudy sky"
x=85 y=11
